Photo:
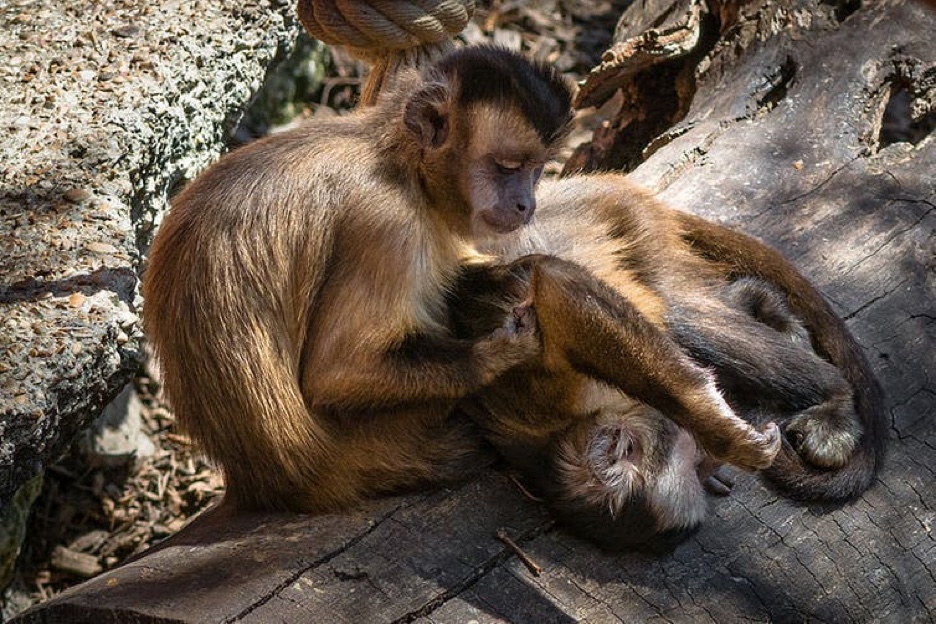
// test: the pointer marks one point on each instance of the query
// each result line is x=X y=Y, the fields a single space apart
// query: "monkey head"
x=631 y=479
x=486 y=121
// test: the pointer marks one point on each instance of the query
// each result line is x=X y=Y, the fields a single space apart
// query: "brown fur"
x=295 y=292
x=833 y=450
x=622 y=236
x=613 y=469
x=584 y=423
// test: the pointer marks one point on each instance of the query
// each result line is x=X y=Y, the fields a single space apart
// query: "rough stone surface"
x=116 y=436
x=105 y=107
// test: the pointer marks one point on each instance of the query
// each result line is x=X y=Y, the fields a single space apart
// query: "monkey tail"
x=791 y=476
x=228 y=338
x=742 y=255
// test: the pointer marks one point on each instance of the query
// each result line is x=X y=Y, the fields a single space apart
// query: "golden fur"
x=295 y=293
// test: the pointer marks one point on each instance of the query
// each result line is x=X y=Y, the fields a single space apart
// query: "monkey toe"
x=720 y=483
x=772 y=441
x=751 y=450
x=716 y=478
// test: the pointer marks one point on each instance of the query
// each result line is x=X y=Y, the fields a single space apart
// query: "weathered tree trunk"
x=768 y=116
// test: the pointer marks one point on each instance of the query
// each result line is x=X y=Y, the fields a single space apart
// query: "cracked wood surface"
x=780 y=139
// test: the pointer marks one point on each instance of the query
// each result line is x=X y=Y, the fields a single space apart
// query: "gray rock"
x=103 y=113
x=116 y=437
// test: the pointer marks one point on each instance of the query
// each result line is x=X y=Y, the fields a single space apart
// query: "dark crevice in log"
x=655 y=100
x=777 y=84
x=640 y=121
x=843 y=8
x=898 y=124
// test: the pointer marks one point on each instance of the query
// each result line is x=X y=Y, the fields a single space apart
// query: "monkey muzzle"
x=503 y=220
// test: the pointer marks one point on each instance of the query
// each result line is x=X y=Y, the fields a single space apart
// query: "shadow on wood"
x=394 y=561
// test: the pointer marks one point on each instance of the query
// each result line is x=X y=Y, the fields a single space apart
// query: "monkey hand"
x=757 y=450
x=515 y=342
x=825 y=435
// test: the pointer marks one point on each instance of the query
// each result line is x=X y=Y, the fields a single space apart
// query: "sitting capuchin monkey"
x=633 y=285
x=295 y=293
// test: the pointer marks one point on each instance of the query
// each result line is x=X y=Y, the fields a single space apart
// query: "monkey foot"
x=823 y=438
x=720 y=483
x=716 y=478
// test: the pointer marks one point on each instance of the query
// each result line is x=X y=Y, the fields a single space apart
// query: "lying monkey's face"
x=630 y=479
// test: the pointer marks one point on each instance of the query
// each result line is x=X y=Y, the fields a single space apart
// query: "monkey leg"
x=587 y=325
x=742 y=255
x=770 y=371
x=405 y=449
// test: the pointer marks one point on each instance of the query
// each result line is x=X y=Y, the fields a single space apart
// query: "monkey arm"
x=423 y=368
x=587 y=325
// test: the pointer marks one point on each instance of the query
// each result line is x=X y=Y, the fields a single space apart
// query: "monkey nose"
x=525 y=210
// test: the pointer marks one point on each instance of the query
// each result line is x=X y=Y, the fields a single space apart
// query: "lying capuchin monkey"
x=634 y=286
x=295 y=293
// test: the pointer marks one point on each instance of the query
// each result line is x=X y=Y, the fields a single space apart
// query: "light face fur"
x=620 y=472
x=505 y=168
x=295 y=292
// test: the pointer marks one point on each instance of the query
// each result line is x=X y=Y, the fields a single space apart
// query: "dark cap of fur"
x=503 y=78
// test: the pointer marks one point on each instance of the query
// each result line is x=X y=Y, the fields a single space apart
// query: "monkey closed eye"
x=507 y=167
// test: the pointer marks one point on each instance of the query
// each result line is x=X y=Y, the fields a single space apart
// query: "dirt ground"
x=89 y=518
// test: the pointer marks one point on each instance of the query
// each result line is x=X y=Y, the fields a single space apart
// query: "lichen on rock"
x=106 y=108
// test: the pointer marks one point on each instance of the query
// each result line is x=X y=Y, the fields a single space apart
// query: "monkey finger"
x=714 y=486
x=524 y=318
x=720 y=483
x=773 y=441
x=759 y=449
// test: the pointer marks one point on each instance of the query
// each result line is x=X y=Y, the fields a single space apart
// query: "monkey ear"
x=612 y=458
x=427 y=115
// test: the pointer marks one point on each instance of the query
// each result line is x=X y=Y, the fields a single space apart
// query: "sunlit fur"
x=620 y=473
x=599 y=461
x=295 y=292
